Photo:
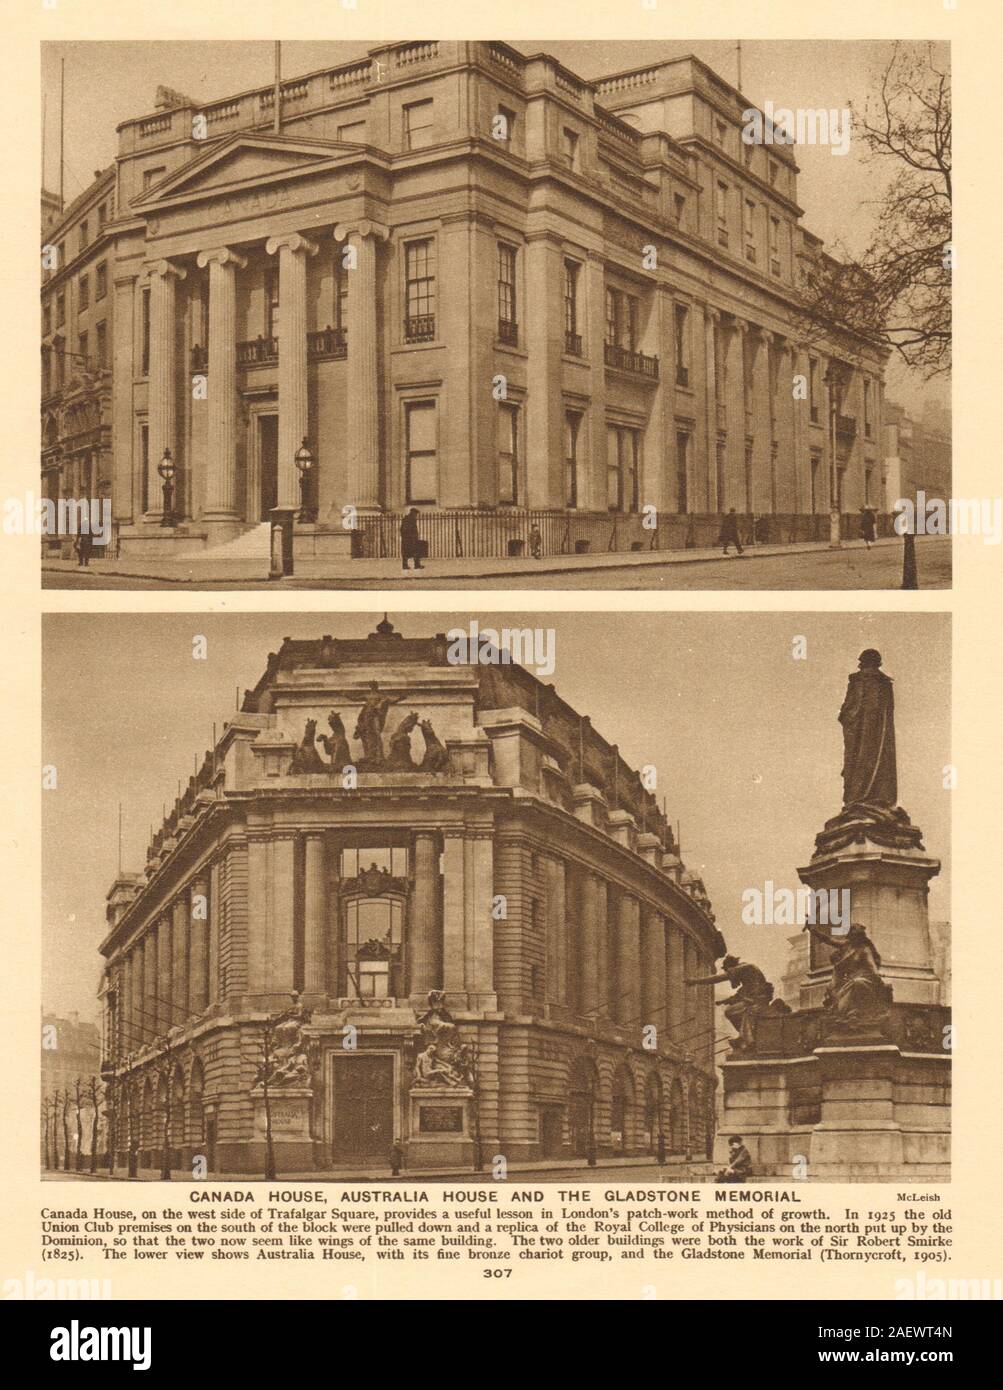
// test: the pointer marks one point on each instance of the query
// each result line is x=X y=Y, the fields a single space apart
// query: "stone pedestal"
x=843 y=1112
x=886 y=872
x=440 y=1127
x=291 y=1141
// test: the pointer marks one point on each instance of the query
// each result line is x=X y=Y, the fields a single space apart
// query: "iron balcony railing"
x=256 y=351
x=508 y=332
x=625 y=360
x=419 y=329
x=573 y=344
x=327 y=342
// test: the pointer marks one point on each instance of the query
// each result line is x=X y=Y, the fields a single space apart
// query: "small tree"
x=78 y=1094
x=66 y=1102
x=94 y=1091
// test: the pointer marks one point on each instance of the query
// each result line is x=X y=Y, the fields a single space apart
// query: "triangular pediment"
x=243 y=161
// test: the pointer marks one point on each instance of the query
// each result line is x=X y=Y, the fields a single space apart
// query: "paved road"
x=622 y=1175
x=851 y=567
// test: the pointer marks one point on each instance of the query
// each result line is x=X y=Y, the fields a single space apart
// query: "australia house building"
x=457 y=926
x=471 y=282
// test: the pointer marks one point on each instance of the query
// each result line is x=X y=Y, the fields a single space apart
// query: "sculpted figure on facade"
x=399 y=758
x=335 y=744
x=290 y=1052
x=369 y=725
x=436 y=757
x=444 y=1059
x=305 y=757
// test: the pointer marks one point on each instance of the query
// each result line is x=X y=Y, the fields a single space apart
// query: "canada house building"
x=531 y=877
x=472 y=282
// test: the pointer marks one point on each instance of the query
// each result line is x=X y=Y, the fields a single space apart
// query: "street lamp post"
x=304 y=461
x=835 y=520
x=167 y=471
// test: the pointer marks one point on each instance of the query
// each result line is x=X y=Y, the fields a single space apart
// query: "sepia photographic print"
x=453 y=895
x=500 y=555
x=480 y=314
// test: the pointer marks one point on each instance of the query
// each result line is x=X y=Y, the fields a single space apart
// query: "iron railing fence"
x=462 y=533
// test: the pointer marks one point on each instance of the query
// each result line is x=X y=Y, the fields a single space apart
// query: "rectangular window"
x=507 y=322
x=144 y=310
x=144 y=468
x=682 y=327
x=749 y=228
x=621 y=320
x=748 y=479
x=341 y=278
x=508 y=454
x=152 y=176
x=417 y=125
x=46 y=318
x=421 y=444
x=102 y=214
x=682 y=471
x=572 y=338
x=101 y=281
x=623 y=446
x=83 y=292
x=101 y=333
x=60 y=352
x=720 y=131
x=572 y=428
x=84 y=234
x=46 y=371
x=774 y=245
x=678 y=206
x=569 y=147
x=272 y=302
x=419 y=321
x=774 y=171
x=82 y=350
x=60 y=308
x=867 y=409
x=722 y=214
x=813 y=388
x=816 y=469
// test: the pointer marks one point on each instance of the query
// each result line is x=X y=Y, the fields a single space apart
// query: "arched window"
x=653 y=1111
x=619 y=1119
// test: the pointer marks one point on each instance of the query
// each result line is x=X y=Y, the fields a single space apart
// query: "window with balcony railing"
x=256 y=351
x=328 y=342
x=508 y=331
x=572 y=337
x=420 y=292
x=625 y=360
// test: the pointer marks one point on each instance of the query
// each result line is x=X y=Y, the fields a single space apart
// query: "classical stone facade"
x=475 y=283
x=480 y=910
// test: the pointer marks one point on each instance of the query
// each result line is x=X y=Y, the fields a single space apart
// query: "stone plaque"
x=441 y=1119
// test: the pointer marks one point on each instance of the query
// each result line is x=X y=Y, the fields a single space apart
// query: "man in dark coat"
x=868 y=525
x=411 y=546
x=739 y=1167
x=729 y=532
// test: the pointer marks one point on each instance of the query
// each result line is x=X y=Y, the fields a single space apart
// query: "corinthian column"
x=294 y=423
x=628 y=962
x=221 y=470
x=314 y=910
x=164 y=279
x=363 y=361
x=424 y=935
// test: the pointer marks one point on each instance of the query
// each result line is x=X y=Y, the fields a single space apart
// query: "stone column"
x=150 y=984
x=221 y=444
x=628 y=962
x=675 y=988
x=181 y=1002
x=280 y=939
x=544 y=336
x=691 y=968
x=164 y=279
x=314 y=913
x=125 y=1010
x=556 y=944
x=165 y=990
x=363 y=434
x=199 y=927
x=213 y=934
x=294 y=422
x=712 y=397
x=593 y=924
x=424 y=953
x=653 y=1009
x=258 y=869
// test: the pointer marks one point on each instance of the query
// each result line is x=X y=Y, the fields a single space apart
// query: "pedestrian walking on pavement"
x=729 y=532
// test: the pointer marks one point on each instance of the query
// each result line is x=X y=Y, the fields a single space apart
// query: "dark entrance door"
x=363 y=1107
x=268 y=455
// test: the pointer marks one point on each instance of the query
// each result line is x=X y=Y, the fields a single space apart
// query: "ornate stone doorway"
x=363 y=1108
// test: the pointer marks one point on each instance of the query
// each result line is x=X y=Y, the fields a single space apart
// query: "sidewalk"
x=674 y=1167
x=217 y=571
